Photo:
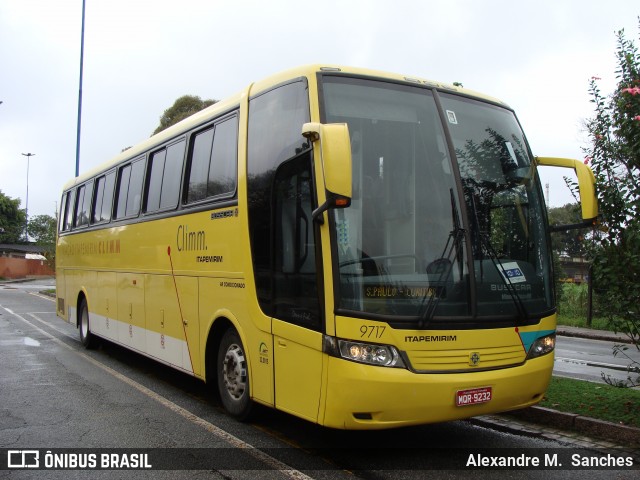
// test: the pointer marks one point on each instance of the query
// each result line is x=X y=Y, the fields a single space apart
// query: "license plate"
x=473 y=396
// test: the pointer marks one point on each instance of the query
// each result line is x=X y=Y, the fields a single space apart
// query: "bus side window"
x=109 y=187
x=172 y=174
x=223 y=168
x=214 y=160
x=135 y=188
x=130 y=189
x=156 y=171
x=83 y=201
x=101 y=211
x=78 y=206
x=165 y=170
x=66 y=211
x=123 y=190
x=97 y=200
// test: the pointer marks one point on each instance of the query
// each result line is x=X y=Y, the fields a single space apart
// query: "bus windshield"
x=409 y=248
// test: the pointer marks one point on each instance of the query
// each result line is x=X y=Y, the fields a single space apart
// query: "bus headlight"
x=542 y=346
x=369 y=353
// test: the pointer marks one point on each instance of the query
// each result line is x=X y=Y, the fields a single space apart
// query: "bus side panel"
x=61 y=295
x=104 y=307
x=229 y=298
x=130 y=287
x=78 y=282
x=169 y=302
x=298 y=369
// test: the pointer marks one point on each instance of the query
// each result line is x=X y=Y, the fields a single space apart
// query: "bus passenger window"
x=156 y=170
x=63 y=213
x=103 y=197
x=97 y=201
x=105 y=214
x=172 y=175
x=135 y=188
x=130 y=189
x=66 y=211
x=83 y=201
x=123 y=189
x=222 y=172
x=214 y=159
x=79 y=201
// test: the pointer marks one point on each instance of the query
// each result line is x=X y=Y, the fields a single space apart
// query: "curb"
x=592 y=334
x=620 y=434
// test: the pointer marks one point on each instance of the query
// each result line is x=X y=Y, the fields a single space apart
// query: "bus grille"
x=425 y=361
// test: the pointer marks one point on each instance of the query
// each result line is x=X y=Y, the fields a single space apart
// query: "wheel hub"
x=234 y=371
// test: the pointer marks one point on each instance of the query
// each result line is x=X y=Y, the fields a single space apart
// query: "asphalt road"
x=587 y=359
x=56 y=395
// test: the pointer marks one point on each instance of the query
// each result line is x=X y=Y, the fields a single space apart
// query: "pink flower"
x=637 y=117
x=587 y=160
x=632 y=90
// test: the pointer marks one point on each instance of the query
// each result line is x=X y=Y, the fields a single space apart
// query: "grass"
x=601 y=401
x=572 y=308
x=597 y=323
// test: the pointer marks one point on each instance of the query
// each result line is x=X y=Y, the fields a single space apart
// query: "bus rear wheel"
x=233 y=376
x=86 y=337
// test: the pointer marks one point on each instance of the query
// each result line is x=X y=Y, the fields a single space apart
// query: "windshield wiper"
x=485 y=244
x=444 y=265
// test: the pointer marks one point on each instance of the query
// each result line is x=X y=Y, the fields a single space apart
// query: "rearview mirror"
x=335 y=150
x=586 y=185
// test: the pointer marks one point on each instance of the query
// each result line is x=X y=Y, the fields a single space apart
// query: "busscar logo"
x=23 y=459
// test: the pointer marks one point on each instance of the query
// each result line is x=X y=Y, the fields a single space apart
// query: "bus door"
x=297 y=321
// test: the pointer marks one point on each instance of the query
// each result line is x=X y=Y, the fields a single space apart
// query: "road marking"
x=217 y=431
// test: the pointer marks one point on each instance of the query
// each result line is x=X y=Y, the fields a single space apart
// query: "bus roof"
x=233 y=101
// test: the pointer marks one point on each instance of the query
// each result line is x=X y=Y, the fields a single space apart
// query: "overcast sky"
x=140 y=55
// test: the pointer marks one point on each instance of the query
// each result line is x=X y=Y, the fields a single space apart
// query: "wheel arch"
x=221 y=322
x=82 y=296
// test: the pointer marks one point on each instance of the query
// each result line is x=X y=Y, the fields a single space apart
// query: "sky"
x=140 y=55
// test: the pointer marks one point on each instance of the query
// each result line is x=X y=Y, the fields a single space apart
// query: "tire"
x=88 y=340
x=233 y=376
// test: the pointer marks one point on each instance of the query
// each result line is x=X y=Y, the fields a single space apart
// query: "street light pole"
x=80 y=93
x=26 y=202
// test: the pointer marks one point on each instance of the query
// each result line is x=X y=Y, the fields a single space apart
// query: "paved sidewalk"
x=616 y=437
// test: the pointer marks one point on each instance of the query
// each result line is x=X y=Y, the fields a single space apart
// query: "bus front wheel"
x=86 y=337
x=233 y=376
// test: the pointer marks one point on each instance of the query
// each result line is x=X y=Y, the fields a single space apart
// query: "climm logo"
x=188 y=241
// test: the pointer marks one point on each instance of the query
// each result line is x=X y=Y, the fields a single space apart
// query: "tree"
x=567 y=242
x=182 y=108
x=614 y=155
x=12 y=220
x=42 y=229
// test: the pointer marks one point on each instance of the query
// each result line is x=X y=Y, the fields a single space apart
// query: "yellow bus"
x=357 y=248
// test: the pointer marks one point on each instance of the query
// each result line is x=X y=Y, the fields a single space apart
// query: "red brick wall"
x=20 y=268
